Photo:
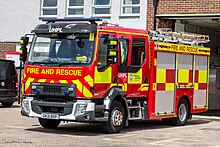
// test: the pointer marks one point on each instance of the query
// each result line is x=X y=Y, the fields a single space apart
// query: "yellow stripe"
x=63 y=81
x=28 y=82
x=96 y=46
x=155 y=62
x=86 y=92
x=89 y=80
x=42 y=80
x=113 y=84
x=144 y=87
x=183 y=48
x=124 y=86
x=207 y=90
x=78 y=85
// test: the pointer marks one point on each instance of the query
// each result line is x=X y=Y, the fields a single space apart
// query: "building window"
x=49 y=8
x=75 y=7
x=130 y=7
x=102 y=7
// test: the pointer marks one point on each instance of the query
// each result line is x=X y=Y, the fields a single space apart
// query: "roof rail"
x=166 y=35
x=52 y=20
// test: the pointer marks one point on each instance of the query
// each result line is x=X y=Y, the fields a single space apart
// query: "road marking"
x=164 y=141
x=74 y=136
x=126 y=135
x=16 y=127
x=115 y=140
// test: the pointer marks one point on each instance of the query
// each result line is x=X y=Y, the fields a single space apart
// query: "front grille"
x=52 y=89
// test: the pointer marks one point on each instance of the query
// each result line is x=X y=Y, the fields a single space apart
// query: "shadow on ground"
x=85 y=129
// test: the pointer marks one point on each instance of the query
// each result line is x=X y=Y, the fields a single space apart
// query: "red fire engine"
x=85 y=72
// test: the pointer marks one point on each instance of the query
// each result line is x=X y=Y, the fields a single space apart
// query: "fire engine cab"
x=86 y=70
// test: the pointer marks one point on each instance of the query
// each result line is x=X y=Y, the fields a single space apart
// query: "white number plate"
x=50 y=116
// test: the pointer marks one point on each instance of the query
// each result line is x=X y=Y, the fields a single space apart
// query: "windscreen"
x=62 y=49
x=7 y=69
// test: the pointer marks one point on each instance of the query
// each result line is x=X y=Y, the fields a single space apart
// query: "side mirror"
x=112 y=56
x=23 y=49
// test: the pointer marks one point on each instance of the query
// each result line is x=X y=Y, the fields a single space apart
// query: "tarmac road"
x=16 y=130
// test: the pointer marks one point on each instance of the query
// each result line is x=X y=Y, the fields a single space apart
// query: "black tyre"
x=182 y=114
x=7 y=104
x=116 y=118
x=49 y=123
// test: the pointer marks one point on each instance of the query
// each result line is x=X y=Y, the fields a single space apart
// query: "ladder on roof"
x=167 y=35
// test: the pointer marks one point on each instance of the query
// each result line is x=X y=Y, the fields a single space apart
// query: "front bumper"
x=80 y=110
x=8 y=95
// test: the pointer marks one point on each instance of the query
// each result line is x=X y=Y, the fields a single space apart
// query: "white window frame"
x=101 y=6
x=74 y=7
x=48 y=8
x=130 y=5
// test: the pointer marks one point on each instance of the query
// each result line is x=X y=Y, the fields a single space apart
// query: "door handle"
x=115 y=80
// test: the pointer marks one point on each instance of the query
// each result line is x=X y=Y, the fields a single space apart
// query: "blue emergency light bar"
x=71 y=19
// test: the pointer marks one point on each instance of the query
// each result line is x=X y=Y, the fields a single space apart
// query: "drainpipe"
x=155 y=3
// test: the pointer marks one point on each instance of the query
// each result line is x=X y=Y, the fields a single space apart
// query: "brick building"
x=195 y=16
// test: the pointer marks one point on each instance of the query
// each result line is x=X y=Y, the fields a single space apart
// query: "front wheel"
x=182 y=114
x=116 y=118
x=49 y=123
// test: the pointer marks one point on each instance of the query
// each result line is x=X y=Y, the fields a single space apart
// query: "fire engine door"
x=123 y=66
x=105 y=75
x=165 y=83
x=137 y=67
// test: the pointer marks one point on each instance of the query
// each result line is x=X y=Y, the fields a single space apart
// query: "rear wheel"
x=49 y=123
x=182 y=114
x=7 y=104
x=116 y=118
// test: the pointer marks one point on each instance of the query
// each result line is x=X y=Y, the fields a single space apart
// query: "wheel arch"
x=116 y=94
x=186 y=98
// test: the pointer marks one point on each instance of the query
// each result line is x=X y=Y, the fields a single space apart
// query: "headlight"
x=25 y=106
x=80 y=109
x=2 y=84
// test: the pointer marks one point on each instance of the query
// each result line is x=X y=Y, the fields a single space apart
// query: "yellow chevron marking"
x=86 y=92
x=42 y=80
x=63 y=81
x=28 y=82
x=89 y=80
x=78 y=85
x=52 y=81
